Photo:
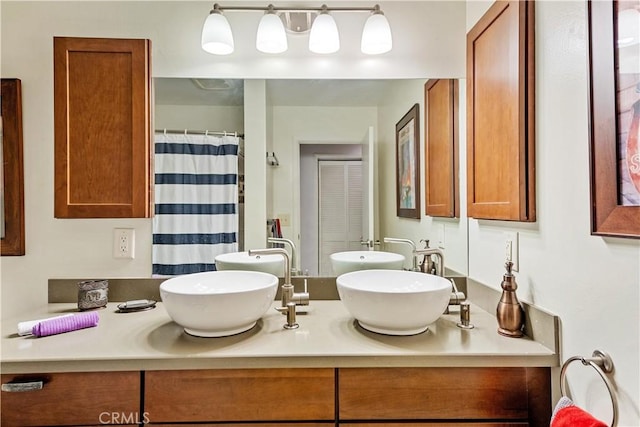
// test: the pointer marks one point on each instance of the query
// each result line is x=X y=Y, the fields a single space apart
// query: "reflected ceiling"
x=292 y=92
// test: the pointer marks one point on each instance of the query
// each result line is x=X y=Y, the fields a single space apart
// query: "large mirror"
x=324 y=186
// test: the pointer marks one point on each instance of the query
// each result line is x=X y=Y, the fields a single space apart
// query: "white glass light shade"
x=324 y=37
x=376 y=35
x=271 y=37
x=216 y=35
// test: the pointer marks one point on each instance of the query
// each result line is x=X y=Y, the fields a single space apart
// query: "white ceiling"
x=285 y=92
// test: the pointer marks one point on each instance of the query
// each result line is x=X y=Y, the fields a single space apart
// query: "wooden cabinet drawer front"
x=86 y=398
x=433 y=393
x=436 y=424
x=240 y=395
x=322 y=424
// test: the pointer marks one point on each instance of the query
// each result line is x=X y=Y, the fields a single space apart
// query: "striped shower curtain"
x=196 y=202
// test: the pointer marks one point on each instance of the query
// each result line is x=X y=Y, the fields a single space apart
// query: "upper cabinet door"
x=102 y=128
x=441 y=148
x=500 y=113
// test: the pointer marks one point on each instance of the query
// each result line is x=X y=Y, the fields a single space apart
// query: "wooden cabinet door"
x=102 y=128
x=228 y=395
x=500 y=113
x=441 y=148
x=519 y=395
x=86 y=398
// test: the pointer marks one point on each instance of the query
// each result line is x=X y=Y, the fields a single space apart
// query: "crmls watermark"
x=124 y=418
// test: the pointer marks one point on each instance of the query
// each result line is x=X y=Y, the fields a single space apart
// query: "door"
x=369 y=185
x=340 y=206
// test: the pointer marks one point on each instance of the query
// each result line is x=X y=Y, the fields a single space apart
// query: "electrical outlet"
x=285 y=220
x=124 y=243
x=511 y=247
x=440 y=235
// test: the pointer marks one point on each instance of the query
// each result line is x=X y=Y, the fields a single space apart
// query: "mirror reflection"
x=330 y=166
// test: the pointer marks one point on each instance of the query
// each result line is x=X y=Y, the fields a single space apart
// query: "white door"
x=369 y=185
x=340 y=208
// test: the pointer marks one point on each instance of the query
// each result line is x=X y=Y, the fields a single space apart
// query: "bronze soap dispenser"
x=509 y=312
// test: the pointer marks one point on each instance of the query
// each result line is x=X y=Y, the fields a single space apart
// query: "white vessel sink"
x=272 y=264
x=218 y=303
x=345 y=262
x=394 y=302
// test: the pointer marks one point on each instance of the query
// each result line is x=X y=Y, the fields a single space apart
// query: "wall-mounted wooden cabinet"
x=500 y=113
x=102 y=107
x=441 y=148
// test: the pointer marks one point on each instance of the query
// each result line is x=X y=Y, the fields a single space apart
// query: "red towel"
x=566 y=414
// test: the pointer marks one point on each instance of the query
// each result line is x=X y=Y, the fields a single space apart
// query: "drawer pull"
x=19 y=387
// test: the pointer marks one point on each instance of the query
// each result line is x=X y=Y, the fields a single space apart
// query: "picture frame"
x=12 y=235
x=615 y=116
x=408 y=164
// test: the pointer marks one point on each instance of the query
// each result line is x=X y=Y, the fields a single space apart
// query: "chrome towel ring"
x=602 y=363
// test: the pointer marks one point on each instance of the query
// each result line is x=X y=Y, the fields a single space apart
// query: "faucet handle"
x=290 y=311
x=426 y=243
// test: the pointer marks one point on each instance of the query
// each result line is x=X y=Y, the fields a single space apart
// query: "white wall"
x=591 y=282
x=429 y=39
x=199 y=117
x=293 y=126
x=400 y=99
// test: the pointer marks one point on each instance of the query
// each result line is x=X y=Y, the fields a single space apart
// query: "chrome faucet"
x=414 y=266
x=272 y=240
x=456 y=296
x=369 y=243
x=432 y=251
x=289 y=298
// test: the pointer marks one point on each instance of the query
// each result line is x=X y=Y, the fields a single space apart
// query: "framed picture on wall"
x=12 y=238
x=408 y=164
x=614 y=78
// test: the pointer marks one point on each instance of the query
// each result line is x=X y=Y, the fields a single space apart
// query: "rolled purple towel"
x=66 y=324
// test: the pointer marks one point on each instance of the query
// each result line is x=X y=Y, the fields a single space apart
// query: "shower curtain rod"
x=199 y=132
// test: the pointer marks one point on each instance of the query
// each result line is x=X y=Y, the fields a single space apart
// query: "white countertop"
x=327 y=337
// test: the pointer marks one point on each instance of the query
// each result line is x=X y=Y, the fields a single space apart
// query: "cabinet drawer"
x=427 y=424
x=433 y=394
x=240 y=395
x=86 y=398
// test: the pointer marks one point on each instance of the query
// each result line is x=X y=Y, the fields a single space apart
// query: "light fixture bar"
x=296 y=9
x=324 y=37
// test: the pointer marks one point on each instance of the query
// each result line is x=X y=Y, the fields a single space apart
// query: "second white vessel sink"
x=345 y=262
x=394 y=302
x=272 y=264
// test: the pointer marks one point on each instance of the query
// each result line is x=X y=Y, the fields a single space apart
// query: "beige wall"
x=592 y=283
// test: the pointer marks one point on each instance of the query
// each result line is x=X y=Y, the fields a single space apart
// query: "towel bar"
x=602 y=363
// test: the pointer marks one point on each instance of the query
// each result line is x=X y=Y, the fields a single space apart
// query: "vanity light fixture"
x=376 y=35
x=216 y=33
x=271 y=37
x=324 y=37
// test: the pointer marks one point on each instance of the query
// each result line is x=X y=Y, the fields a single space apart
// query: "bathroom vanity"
x=142 y=368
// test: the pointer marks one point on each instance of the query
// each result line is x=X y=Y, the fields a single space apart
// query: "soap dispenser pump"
x=509 y=312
